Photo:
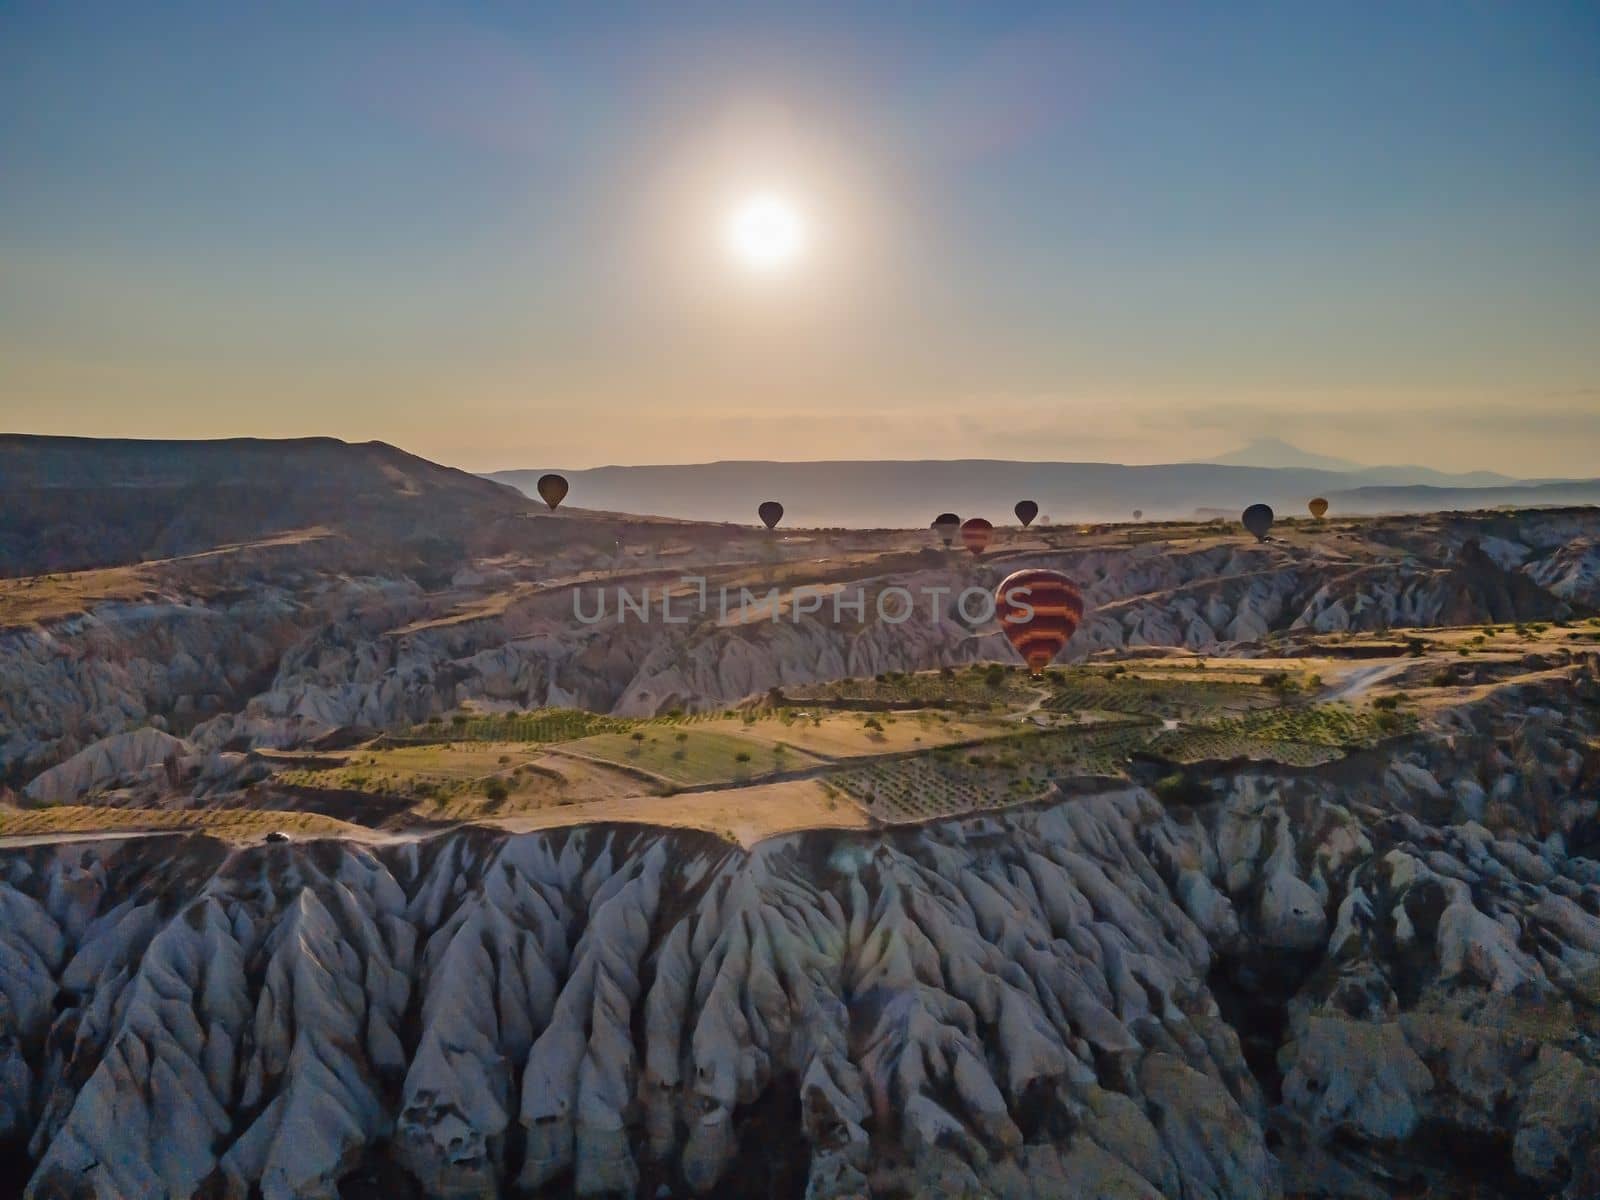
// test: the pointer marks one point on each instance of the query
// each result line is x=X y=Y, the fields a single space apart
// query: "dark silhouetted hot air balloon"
x=1026 y=511
x=947 y=525
x=770 y=512
x=975 y=534
x=1258 y=519
x=552 y=490
x=1318 y=507
x=1138 y=514
x=1039 y=611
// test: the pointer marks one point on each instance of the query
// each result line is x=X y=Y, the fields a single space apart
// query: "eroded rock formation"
x=1327 y=982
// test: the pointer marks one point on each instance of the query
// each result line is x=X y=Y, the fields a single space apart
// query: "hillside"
x=71 y=503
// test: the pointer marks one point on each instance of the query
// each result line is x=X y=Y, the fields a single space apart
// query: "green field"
x=691 y=756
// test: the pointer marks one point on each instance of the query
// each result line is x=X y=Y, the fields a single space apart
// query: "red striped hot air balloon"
x=1039 y=611
x=975 y=535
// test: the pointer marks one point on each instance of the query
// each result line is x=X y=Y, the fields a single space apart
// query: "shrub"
x=995 y=676
x=637 y=735
x=742 y=757
x=1388 y=722
x=496 y=789
x=681 y=736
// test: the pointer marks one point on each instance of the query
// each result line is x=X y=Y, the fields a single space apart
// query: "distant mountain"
x=68 y=503
x=1276 y=453
x=1419 y=498
x=860 y=494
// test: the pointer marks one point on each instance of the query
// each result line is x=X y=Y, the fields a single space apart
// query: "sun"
x=766 y=233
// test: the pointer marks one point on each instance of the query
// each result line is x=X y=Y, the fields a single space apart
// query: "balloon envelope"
x=1258 y=519
x=1138 y=514
x=947 y=525
x=770 y=512
x=1040 y=611
x=975 y=534
x=1318 y=507
x=552 y=489
x=1026 y=511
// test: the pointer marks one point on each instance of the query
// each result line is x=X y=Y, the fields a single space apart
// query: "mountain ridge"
x=907 y=493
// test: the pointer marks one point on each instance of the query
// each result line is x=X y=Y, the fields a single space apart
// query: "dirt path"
x=1355 y=684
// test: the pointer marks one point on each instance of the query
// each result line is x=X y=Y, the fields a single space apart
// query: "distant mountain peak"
x=1275 y=452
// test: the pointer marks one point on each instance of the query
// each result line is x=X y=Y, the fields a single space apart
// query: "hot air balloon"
x=947 y=525
x=1318 y=507
x=1026 y=511
x=552 y=490
x=1258 y=519
x=770 y=512
x=975 y=535
x=1039 y=612
x=1138 y=514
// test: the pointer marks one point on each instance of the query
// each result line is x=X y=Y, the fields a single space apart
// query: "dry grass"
x=235 y=824
x=744 y=815
x=51 y=597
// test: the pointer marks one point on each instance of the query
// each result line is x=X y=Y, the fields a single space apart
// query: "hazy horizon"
x=501 y=238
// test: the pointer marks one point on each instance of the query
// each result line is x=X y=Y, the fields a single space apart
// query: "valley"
x=334 y=869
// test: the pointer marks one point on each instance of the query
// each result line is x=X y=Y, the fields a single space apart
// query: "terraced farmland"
x=540 y=725
x=1300 y=736
x=1166 y=697
x=431 y=771
x=1012 y=770
x=979 y=687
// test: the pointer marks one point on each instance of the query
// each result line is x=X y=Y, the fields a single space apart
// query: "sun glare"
x=766 y=233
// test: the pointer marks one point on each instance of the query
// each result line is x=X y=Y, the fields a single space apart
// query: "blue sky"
x=488 y=233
